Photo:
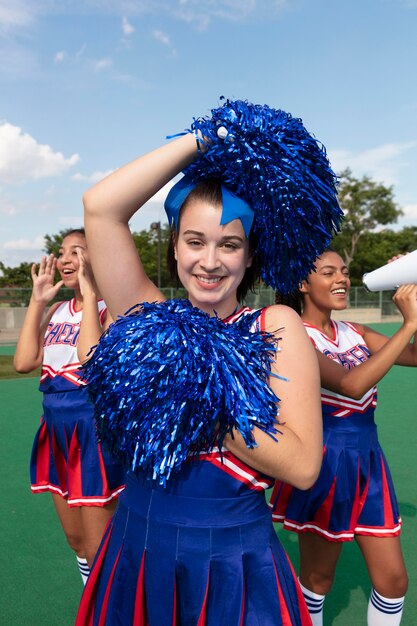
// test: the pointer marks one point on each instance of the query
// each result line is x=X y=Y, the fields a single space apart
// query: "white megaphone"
x=392 y=275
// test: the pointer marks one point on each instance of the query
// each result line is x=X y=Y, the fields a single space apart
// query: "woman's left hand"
x=405 y=299
x=85 y=279
x=395 y=258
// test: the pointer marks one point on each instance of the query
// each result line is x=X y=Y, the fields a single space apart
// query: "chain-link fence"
x=360 y=297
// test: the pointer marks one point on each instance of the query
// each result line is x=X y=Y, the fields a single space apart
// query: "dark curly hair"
x=73 y=231
x=295 y=299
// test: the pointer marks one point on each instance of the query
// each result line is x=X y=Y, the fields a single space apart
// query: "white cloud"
x=107 y=65
x=60 y=56
x=164 y=39
x=22 y=13
x=17 y=14
x=23 y=250
x=188 y=9
x=127 y=27
x=382 y=163
x=143 y=219
x=25 y=244
x=8 y=209
x=95 y=177
x=102 y=64
x=152 y=211
x=160 y=196
x=410 y=211
x=64 y=55
x=71 y=221
x=22 y=158
x=159 y=35
x=200 y=13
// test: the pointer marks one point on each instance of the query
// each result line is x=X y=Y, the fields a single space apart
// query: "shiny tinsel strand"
x=267 y=157
x=167 y=381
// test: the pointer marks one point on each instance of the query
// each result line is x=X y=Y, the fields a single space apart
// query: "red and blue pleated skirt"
x=67 y=459
x=202 y=552
x=354 y=493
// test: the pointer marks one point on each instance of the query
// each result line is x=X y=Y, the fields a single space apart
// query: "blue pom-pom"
x=167 y=381
x=268 y=158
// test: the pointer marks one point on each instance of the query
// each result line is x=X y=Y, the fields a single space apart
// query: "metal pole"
x=157 y=226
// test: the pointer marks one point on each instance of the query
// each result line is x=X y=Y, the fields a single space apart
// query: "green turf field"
x=39 y=581
x=7 y=350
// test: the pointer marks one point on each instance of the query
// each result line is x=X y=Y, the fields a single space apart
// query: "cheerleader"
x=186 y=392
x=353 y=497
x=66 y=460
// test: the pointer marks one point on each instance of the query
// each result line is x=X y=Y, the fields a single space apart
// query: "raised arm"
x=296 y=457
x=91 y=327
x=110 y=204
x=29 y=349
x=386 y=352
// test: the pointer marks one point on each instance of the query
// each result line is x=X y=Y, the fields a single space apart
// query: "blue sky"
x=87 y=85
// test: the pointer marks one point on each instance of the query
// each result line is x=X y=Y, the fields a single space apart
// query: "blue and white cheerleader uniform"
x=66 y=458
x=354 y=493
x=201 y=551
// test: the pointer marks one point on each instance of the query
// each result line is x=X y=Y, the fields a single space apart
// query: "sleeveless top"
x=60 y=367
x=236 y=472
x=348 y=349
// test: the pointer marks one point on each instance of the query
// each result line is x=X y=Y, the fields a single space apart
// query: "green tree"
x=146 y=241
x=366 y=205
x=375 y=248
x=407 y=239
x=152 y=252
x=19 y=276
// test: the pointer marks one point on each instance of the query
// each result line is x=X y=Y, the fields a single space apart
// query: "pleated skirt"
x=169 y=559
x=353 y=495
x=66 y=458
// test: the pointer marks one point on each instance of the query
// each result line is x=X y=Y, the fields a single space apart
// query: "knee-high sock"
x=84 y=569
x=384 y=611
x=314 y=603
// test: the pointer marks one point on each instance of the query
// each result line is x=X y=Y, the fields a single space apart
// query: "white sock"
x=84 y=569
x=315 y=602
x=384 y=611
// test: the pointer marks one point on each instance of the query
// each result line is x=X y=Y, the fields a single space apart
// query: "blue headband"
x=233 y=207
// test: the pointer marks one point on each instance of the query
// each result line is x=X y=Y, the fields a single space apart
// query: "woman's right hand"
x=44 y=289
x=405 y=299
